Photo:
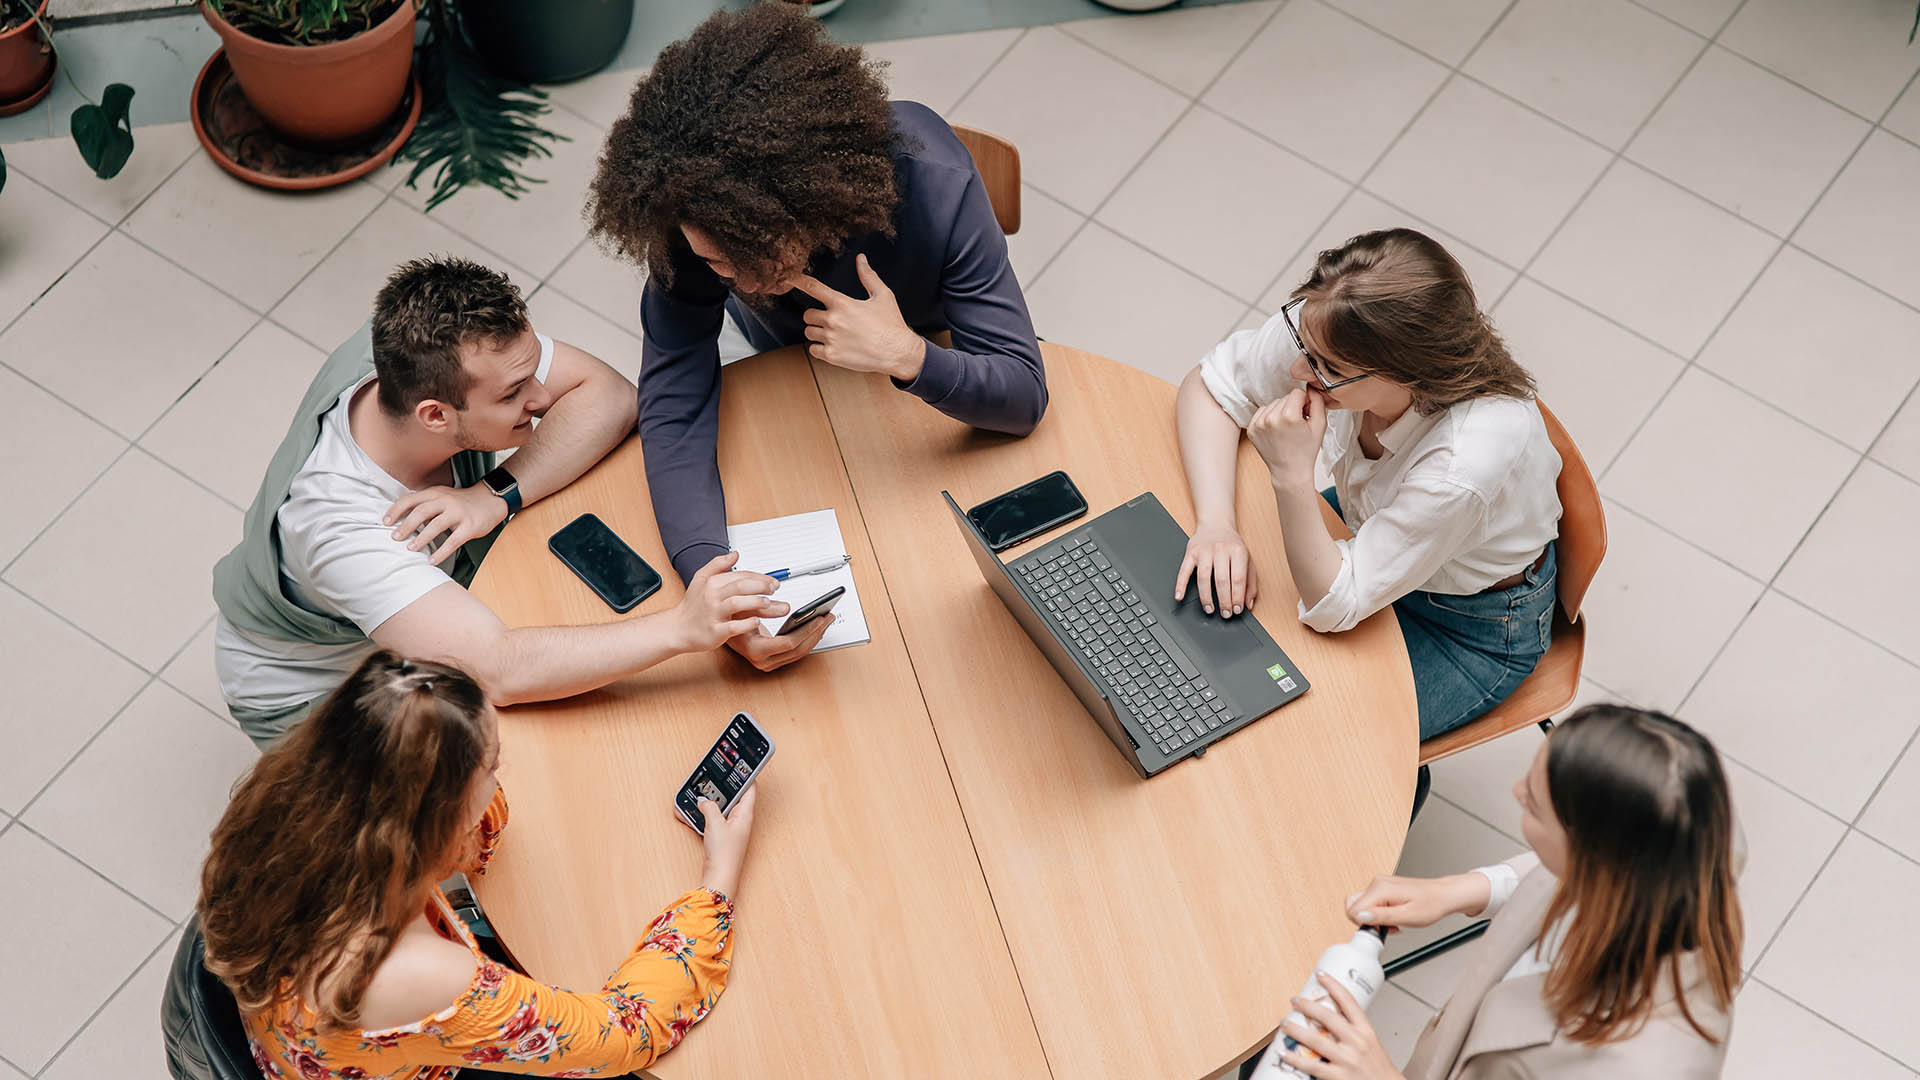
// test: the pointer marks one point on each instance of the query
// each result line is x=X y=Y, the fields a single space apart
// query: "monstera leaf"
x=103 y=133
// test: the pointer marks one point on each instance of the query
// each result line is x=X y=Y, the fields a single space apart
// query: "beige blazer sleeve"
x=1495 y=1028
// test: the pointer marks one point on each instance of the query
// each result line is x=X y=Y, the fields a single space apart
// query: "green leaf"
x=475 y=127
x=104 y=133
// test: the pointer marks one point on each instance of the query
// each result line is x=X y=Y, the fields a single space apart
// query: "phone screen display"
x=605 y=562
x=1028 y=510
x=724 y=773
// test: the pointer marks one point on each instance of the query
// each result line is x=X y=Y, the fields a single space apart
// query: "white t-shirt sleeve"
x=1249 y=369
x=351 y=563
x=546 y=357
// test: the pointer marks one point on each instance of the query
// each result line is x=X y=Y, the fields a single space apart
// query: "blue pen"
x=810 y=568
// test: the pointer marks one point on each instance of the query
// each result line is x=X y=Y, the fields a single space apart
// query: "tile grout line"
x=1192 y=102
x=37 y=602
x=990 y=68
x=1358 y=184
x=259 y=317
x=117 y=991
x=1839 y=488
x=1848 y=1032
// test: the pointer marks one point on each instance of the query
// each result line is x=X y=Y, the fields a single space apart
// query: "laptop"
x=1165 y=681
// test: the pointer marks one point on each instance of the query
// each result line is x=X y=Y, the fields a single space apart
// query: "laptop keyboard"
x=1117 y=635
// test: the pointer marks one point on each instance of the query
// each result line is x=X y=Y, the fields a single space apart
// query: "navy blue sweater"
x=947 y=266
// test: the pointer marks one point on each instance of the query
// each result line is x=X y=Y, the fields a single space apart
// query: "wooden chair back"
x=999 y=164
x=1555 y=681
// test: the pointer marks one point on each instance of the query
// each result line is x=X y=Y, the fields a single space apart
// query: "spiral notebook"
x=796 y=540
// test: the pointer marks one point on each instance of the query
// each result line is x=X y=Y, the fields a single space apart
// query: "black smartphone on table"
x=811 y=610
x=604 y=561
x=1028 y=510
x=736 y=758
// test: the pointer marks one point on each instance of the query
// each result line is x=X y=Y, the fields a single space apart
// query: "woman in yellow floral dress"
x=321 y=911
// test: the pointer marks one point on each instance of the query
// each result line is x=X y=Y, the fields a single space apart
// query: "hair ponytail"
x=319 y=861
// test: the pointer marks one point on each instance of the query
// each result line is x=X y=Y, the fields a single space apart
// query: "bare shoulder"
x=423 y=975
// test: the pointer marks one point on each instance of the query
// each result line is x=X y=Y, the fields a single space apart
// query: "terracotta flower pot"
x=26 y=64
x=323 y=95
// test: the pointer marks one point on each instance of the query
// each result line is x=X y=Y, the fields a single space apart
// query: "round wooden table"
x=954 y=873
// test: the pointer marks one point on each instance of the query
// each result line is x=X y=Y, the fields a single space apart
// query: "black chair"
x=199 y=1020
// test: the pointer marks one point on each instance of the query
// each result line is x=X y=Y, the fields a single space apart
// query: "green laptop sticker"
x=1276 y=672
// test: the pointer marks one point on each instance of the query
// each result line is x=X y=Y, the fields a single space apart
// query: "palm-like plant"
x=475 y=127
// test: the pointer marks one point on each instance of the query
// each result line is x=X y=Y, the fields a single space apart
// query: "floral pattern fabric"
x=507 y=1022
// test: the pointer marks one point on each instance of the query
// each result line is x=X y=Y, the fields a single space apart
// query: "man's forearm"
x=580 y=428
x=543 y=663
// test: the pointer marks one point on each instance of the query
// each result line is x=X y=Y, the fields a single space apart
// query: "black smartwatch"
x=502 y=483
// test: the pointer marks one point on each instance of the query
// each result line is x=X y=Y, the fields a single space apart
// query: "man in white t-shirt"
x=365 y=529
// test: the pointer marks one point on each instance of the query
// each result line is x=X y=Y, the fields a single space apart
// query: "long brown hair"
x=320 y=859
x=1649 y=873
x=1395 y=304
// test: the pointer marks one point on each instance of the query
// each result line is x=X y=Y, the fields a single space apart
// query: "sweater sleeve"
x=507 y=1022
x=992 y=376
x=680 y=411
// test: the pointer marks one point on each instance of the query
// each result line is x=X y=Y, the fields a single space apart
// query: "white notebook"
x=797 y=540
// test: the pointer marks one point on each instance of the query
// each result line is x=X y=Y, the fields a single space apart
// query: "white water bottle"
x=1356 y=965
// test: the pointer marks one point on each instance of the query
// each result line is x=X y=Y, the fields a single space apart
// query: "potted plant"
x=548 y=42
x=101 y=131
x=26 y=56
x=319 y=72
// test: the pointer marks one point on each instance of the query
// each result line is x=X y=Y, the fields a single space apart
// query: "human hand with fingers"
x=462 y=514
x=1222 y=570
x=1411 y=902
x=725 y=841
x=862 y=335
x=1288 y=434
x=1340 y=1044
x=722 y=603
x=769 y=653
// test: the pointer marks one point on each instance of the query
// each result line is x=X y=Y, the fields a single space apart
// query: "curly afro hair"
x=759 y=131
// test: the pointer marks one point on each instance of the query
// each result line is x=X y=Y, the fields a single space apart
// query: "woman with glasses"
x=1383 y=362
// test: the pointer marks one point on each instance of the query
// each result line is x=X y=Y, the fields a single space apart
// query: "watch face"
x=500 y=481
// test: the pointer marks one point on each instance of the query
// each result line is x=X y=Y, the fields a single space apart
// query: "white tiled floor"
x=1694 y=220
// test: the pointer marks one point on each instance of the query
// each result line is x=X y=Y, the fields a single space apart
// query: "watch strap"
x=506 y=485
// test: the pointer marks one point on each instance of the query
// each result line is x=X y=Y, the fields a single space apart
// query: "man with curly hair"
x=777 y=198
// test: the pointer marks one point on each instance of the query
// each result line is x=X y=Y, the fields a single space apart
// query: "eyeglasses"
x=1313 y=362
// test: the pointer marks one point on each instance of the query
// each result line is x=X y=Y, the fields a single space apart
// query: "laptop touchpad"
x=1222 y=640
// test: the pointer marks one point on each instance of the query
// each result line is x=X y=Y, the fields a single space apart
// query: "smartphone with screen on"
x=736 y=758
x=605 y=562
x=812 y=610
x=1028 y=510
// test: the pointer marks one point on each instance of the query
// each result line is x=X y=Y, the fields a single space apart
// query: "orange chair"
x=999 y=165
x=1556 y=679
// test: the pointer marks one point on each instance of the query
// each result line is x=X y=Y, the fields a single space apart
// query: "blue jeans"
x=1470 y=652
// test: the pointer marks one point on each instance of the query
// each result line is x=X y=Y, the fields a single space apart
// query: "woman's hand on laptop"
x=723 y=603
x=1221 y=568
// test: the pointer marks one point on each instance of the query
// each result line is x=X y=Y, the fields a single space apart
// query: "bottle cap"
x=1377 y=931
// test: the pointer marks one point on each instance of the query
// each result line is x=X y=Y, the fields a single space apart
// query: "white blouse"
x=1461 y=499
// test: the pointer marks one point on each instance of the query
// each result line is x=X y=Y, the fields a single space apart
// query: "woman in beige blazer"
x=1615 y=945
